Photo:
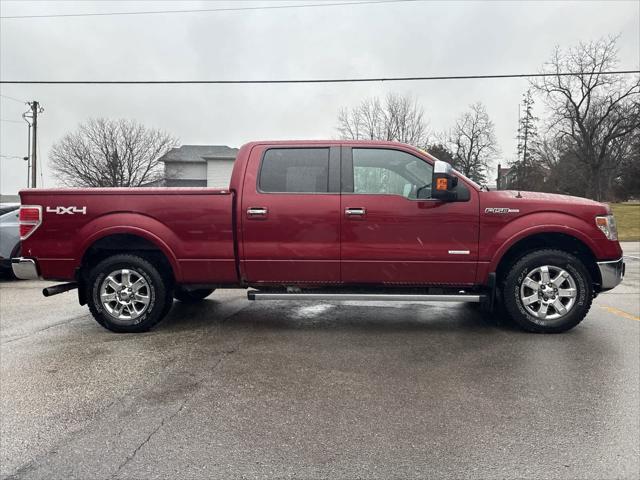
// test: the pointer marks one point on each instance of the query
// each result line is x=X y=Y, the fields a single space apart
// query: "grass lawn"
x=628 y=221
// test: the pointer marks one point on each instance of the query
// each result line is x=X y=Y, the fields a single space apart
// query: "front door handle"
x=257 y=212
x=355 y=212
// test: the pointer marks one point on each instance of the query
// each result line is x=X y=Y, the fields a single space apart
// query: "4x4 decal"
x=67 y=210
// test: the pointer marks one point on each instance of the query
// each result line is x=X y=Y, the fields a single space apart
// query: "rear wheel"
x=192 y=296
x=7 y=270
x=547 y=291
x=128 y=294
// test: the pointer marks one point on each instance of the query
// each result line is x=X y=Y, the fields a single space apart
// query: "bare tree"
x=441 y=152
x=110 y=153
x=473 y=142
x=628 y=179
x=397 y=118
x=592 y=113
x=552 y=160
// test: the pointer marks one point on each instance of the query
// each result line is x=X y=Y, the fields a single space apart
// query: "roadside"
x=624 y=300
x=631 y=249
x=628 y=221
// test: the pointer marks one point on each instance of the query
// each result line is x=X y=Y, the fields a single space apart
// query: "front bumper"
x=611 y=273
x=25 y=268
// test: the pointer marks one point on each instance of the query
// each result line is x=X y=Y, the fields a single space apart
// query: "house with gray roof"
x=199 y=166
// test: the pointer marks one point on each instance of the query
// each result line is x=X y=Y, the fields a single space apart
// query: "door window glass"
x=295 y=170
x=391 y=172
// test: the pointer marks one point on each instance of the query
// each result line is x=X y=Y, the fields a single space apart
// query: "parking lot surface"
x=230 y=388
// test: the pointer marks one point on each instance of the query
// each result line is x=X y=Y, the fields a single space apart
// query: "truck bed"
x=192 y=226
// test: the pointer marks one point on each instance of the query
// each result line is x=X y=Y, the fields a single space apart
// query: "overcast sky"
x=401 y=39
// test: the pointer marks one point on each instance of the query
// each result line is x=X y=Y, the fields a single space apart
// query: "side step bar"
x=365 y=297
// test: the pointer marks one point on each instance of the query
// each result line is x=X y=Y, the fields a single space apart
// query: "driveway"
x=234 y=389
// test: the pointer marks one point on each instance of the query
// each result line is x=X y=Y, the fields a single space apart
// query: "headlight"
x=607 y=224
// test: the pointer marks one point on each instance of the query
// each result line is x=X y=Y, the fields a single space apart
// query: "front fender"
x=495 y=242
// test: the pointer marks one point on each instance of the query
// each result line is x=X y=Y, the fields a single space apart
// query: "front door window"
x=391 y=172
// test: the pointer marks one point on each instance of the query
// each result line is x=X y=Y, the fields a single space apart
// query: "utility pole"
x=35 y=110
x=28 y=157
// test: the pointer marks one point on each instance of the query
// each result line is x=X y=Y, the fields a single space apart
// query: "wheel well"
x=16 y=250
x=121 y=243
x=558 y=241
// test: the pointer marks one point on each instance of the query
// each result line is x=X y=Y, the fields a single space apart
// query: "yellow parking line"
x=620 y=313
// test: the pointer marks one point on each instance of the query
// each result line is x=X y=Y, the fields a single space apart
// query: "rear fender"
x=134 y=224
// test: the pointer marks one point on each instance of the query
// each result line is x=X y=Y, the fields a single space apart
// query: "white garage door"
x=219 y=173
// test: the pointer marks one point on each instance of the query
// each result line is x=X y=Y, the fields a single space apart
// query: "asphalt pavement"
x=237 y=389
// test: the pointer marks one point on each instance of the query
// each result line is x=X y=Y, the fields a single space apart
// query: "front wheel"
x=547 y=291
x=127 y=294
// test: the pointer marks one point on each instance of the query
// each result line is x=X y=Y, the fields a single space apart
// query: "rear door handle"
x=257 y=212
x=355 y=212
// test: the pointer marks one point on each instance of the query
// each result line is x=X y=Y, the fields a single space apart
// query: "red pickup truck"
x=323 y=220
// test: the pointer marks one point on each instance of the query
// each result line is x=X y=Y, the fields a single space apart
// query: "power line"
x=12 y=98
x=308 y=80
x=202 y=10
x=11 y=121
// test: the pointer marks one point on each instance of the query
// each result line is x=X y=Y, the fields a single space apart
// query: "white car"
x=9 y=235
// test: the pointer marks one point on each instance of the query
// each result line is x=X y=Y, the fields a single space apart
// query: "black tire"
x=158 y=291
x=16 y=252
x=553 y=258
x=192 y=296
x=7 y=273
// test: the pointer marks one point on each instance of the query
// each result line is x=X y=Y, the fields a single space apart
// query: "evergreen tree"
x=527 y=135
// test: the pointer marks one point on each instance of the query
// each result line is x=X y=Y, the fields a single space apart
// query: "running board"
x=365 y=297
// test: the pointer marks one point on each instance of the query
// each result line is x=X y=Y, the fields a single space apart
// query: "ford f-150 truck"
x=323 y=220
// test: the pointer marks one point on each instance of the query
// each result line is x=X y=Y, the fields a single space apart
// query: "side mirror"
x=444 y=182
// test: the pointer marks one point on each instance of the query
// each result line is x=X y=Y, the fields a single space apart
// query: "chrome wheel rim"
x=548 y=292
x=125 y=295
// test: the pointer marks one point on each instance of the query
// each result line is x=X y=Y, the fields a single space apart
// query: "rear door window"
x=295 y=170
